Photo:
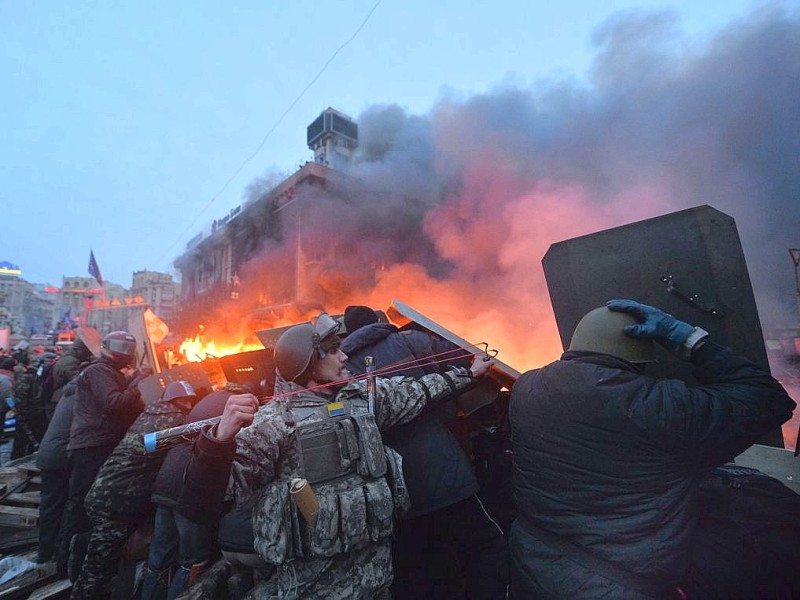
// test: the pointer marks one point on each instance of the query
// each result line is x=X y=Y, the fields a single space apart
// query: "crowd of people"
x=349 y=478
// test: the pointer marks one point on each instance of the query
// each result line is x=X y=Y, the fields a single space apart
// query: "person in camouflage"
x=121 y=493
x=324 y=429
x=31 y=420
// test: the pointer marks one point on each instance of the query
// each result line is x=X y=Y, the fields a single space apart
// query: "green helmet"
x=296 y=346
x=600 y=330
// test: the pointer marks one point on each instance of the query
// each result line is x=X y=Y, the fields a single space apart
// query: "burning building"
x=452 y=211
x=308 y=244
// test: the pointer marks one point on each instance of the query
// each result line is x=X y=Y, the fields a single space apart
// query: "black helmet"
x=600 y=330
x=296 y=347
x=120 y=347
x=179 y=389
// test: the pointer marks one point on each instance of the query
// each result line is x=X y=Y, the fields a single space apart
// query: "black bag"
x=747 y=543
x=44 y=385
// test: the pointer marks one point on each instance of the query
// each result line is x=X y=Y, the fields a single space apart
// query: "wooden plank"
x=402 y=314
x=22 y=585
x=19 y=516
x=56 y=589
x=33 y=498
x=12 y=474
x=13 y=539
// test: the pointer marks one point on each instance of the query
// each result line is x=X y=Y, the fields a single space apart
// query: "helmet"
x=600 y=330
x=293 y=351
x=179 y=389
x=296 y=346
x=120 y=347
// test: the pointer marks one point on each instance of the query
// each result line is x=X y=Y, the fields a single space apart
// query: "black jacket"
x=68 y=366
x=610 y=459
x=436 y=470
x=52 y=452
x=168 y=483
x=105 y=407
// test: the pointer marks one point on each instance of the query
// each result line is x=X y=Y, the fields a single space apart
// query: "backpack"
x=44 y=384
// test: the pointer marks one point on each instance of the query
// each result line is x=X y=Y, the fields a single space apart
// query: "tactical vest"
x=358 y=483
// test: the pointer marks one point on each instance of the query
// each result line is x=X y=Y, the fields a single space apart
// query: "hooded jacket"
x=436 y=470
x=106 y=405
x=52 y=452
x=68 y=366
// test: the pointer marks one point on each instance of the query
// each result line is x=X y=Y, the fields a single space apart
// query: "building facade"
x=271 y=227
x=22 y=309
x=158 y=290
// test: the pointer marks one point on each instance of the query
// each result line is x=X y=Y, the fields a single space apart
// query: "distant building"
x=158 y=290
x=78 y=294
x=22 y=308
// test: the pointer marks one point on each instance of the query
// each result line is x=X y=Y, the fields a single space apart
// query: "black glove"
x=676 y=336
x=139 y=377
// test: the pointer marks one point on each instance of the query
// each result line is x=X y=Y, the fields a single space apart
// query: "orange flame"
x=197 y=349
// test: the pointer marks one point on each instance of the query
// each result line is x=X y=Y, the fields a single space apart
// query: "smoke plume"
x=452 y=211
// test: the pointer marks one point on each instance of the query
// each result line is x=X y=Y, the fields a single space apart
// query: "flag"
x=157 y=330
x=94 y=270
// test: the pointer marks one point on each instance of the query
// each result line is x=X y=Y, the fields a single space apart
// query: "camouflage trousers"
x=106 y=547
x=360 y=575
x=363 y=574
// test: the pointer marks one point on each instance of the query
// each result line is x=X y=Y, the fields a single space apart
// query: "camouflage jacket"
x=349 y=525
x=267 y=449
x=124 y=483
x=24 y=386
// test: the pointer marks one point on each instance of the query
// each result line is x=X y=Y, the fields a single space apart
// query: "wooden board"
x=14 y=539
x=25 y=583
x=29 y=498
x=402 y=314
x=19 y=516
x=12 y=475
x=57 y=589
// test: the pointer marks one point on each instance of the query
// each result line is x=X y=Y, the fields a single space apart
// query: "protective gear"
x=325 y=330
x=179 y=389
x=293 y=351
x=601 y=330
x=343 y=456
x=295 y=348
x=120 y=347
x=659 y=326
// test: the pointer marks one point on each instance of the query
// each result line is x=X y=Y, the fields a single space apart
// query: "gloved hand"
x=137 y=379
x=656 y=324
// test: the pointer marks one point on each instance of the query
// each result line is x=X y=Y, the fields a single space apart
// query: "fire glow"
x=456 y=208
x=197 y=349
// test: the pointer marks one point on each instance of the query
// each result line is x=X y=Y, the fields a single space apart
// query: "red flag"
x=94 y=270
